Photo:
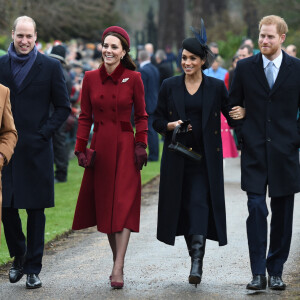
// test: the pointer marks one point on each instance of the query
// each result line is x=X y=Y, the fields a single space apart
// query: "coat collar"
x=282 y=74
x=35 y=69
x=208 y=97
x=115 y=75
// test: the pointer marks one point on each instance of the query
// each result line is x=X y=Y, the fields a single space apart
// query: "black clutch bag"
x=182 y=149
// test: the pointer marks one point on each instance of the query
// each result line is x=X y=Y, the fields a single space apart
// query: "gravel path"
x=78 y=266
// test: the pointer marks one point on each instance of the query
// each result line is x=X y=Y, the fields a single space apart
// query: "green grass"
x=59 y=219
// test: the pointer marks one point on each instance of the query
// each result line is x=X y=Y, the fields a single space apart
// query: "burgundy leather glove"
x=82 y=161
x=140 y=155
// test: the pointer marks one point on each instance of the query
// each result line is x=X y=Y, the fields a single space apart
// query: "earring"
x=122 y=57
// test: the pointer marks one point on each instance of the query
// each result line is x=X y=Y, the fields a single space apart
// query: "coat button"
x=269 y=120
x=101 y=122
x=269 y=139
x=170 y=113
x=216 y=114
x=216 y=132
x=101 y=109
x=101 y=96
x=218 y=149
x=113 y=109
x=114 y=96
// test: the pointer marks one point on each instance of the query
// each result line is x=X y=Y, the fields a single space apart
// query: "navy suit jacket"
x=270 y=132
x=150 y=77
x=28 y=180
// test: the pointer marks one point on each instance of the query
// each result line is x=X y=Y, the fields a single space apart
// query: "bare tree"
x=171 y=23
x=63 y=19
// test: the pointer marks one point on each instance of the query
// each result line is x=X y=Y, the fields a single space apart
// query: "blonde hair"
x=281 y=25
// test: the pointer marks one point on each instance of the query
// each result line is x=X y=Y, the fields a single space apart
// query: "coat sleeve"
x=236 y=98
x=8 y=133
x=85 y=120
x=225 y=105
x=160 y=115
x=60 y=101
x=140 y=115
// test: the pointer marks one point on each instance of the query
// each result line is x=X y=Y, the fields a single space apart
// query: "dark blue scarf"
x=21 y=64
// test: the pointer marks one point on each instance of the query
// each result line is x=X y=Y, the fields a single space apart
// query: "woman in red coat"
x=110 y=193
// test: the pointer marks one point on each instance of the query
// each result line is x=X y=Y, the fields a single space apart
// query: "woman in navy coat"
x=191 y=195
x=110 y=193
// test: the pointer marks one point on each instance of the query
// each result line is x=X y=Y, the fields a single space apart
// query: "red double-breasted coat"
x=110 y=193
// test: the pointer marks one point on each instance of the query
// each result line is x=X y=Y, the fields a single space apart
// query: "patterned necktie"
x=269 y=74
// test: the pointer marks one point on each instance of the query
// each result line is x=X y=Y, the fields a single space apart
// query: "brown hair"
x=281 y=25
x=127 y=61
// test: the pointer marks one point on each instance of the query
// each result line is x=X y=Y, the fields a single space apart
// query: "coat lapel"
x=34 y=71
x=259 y=73
x=208 y=99
x=7 y=76
x=283 y=72
x=178 y=97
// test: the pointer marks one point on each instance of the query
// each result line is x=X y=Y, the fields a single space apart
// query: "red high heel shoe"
x=117 y=285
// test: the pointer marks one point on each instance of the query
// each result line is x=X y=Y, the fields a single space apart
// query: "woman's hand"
x=140 y=155
x=82 y=161
x=171 y=125
x=237 y=113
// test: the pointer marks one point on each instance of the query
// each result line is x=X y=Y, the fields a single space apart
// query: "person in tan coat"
x=8 y=134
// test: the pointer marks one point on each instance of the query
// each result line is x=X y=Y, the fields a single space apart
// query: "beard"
x=269 y=51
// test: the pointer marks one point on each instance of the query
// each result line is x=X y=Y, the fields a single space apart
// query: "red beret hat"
x=118 y=30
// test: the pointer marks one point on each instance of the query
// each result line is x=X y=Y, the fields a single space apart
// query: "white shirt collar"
x=277 y=61
x=144 y=63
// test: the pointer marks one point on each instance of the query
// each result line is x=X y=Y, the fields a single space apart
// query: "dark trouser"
x=15 y=238
x=61 y=154
x=152 y=141
x=280 y=233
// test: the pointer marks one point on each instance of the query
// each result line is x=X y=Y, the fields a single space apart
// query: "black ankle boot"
x=196 y=247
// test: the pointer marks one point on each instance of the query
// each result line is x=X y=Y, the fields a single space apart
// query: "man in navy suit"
x=268 y=85
x=150 y=77
x=36 y=82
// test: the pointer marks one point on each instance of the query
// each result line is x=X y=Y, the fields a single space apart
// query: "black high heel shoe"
x=196 y=247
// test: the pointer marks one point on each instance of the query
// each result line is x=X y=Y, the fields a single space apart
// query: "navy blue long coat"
x=270 y=132
x=171 y=108
x=28 y=180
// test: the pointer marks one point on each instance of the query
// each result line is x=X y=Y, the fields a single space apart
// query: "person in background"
x=110 y=192
x=268 y=86
x=150 y=77
x=150 y=49
x=213 y=46
x=60 y=148
x=216 y=71
x=36 y=83
x=164 y=68
x=291 y=50
x=244 y=51
x=250 y=43
x=171 y=57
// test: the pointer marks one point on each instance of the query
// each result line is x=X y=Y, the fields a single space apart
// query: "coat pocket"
x=126 y=126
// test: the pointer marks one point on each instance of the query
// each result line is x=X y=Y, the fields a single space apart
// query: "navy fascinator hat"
x=197 y=45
